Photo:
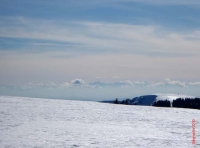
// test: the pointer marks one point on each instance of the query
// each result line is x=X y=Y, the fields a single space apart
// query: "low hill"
x=148 y=100
x=162 y=100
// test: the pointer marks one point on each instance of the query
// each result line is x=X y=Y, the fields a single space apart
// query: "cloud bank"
x=128 y=83
x=78 y=82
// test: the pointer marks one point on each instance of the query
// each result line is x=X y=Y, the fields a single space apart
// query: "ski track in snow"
x=31 y=122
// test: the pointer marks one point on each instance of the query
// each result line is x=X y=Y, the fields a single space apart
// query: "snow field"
x=31 y=122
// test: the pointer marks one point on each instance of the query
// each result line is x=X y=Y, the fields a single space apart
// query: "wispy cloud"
x=194 y=83
x=123 y=43
x=121 y=83
x=97 y=36
x=170 y=82
x=78 y=82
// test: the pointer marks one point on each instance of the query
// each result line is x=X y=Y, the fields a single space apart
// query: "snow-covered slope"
x=30 y=122
x=148 y=100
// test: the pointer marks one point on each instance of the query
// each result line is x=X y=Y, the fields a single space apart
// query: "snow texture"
x=31 y=122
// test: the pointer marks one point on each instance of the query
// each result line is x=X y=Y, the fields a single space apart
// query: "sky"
x=99 y=50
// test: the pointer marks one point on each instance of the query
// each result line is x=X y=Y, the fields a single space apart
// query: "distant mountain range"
x=152 y=100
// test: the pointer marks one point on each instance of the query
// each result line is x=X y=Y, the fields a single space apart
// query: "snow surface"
x=30 y=122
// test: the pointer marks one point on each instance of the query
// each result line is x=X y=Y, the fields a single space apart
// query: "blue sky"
x=109 y=46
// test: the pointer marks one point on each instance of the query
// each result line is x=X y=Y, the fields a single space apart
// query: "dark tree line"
x=193 y=103
x=162 y=103
x=125 y=102
x=116 y=101
x=187 y=103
